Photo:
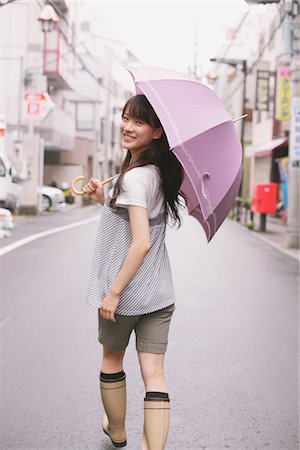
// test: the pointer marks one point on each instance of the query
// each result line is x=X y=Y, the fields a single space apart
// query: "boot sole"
x=116 y=444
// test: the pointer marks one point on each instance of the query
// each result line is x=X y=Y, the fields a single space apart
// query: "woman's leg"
x=152 y=369
x=113 y=394
x=156 y=402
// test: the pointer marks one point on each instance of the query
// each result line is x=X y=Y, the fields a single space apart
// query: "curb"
x=295 y=254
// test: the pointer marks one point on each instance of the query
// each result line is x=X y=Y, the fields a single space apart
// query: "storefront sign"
x=283 y=93
x=294 y=146
x=262 y=90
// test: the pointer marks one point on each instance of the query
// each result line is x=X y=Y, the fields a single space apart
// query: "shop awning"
x=266 y=148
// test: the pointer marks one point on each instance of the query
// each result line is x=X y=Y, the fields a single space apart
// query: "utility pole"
x=293 y=221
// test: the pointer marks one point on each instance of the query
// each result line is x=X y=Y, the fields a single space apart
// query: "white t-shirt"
x=142 y=187
x=151 y=289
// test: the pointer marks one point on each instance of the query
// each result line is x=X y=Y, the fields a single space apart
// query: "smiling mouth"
x=128 y=136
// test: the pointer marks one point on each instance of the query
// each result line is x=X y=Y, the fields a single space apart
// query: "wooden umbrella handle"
x=108 y=180
x=74 y=185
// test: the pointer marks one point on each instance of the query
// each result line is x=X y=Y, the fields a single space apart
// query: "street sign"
x=37 y=106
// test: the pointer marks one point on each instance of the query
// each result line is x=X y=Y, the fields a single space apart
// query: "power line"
x=232 y=39
x=7 y=2
x=261 y=51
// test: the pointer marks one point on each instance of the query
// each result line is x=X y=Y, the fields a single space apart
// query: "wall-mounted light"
x=48 y=18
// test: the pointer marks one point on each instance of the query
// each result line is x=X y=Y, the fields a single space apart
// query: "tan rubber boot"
x=113 y=395
x=156 y=423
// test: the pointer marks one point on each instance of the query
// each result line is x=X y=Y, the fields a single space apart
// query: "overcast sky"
x=163 y=33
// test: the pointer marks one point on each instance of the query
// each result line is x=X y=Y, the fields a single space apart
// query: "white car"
x=6 y=222
x=10 y=189
x=52 y=198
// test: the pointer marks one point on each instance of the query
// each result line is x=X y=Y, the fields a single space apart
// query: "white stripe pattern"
x=151 y=288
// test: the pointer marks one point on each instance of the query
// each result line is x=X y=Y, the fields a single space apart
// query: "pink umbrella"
x=202 y=136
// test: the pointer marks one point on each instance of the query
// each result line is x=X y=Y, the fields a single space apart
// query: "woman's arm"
x=140 y=246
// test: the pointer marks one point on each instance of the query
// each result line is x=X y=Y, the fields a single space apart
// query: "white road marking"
x=21 y=242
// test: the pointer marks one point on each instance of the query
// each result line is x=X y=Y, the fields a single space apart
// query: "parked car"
x=6 y=222
x=52 y=198
x=68 y=193
x=10 y=189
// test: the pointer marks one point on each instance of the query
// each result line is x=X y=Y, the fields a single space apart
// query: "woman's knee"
x=112 y=361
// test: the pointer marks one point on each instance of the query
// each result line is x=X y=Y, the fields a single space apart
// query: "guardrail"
x=241 y=212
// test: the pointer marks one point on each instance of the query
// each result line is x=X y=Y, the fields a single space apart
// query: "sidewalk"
x=275 y=234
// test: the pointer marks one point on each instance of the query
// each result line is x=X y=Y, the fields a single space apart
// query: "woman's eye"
x=139 y=122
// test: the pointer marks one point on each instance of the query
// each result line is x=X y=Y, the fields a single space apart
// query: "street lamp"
x=48 y=18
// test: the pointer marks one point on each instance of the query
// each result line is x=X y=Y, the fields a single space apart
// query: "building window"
x=85 y=116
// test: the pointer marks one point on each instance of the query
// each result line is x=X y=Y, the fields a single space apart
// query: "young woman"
x=130 y=280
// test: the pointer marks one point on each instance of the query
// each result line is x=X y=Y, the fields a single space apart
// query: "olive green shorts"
x=151 y=331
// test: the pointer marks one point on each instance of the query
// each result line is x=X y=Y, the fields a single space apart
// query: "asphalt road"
x=232 y=361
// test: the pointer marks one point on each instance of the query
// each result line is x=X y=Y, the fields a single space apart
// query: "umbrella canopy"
x=202 y=135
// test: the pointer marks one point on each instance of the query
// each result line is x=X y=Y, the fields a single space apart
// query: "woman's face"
x=137 y=135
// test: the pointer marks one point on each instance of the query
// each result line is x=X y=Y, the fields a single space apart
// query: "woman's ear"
x=158 y=133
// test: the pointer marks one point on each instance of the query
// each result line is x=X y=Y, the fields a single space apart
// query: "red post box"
x=265 y=198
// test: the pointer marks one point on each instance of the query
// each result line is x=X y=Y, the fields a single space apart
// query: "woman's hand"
x=94 y=190
x=109 y=306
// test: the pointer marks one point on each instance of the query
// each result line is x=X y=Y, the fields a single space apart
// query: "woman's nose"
x=128 y=126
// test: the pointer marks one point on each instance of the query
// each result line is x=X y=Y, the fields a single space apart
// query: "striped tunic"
x=151 y=288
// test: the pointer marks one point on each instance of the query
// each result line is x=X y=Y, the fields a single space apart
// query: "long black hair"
x=158 y=154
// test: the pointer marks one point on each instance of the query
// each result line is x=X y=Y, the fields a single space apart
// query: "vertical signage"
x=262 y=90
x=283 y=93
x=294 y=145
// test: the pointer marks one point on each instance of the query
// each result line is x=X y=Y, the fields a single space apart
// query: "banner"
x=283 y=93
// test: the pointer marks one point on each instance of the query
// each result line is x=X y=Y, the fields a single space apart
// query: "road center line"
x=34 y=237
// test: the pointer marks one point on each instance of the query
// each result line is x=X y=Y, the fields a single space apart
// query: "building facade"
x=80 y=72
x=259 y=40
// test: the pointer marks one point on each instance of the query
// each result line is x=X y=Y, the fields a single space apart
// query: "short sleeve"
x=134 y=189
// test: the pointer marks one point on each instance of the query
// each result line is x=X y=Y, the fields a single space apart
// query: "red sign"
x=37 y=105
x=30 y=97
